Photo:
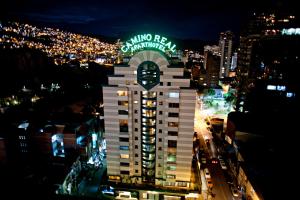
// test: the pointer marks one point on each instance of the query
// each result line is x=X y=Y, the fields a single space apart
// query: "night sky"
x=201 y=20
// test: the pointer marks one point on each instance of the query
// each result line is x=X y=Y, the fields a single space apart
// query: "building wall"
x=247 y=186
x=3 y=149
x=124 y=157
x=212 y=68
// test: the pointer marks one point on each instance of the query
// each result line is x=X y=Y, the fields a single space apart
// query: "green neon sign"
x=148 y=40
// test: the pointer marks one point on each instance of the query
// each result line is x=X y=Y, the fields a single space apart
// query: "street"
x=220 y=189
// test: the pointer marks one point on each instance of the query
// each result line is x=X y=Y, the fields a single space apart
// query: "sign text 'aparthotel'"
x=150 y=41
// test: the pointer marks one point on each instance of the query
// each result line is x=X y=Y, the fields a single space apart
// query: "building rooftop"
x=265 y=143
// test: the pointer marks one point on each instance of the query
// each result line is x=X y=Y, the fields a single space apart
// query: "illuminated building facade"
x=225 y=45
x=267 y=64
x=148 y=108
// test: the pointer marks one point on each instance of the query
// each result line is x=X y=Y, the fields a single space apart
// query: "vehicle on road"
x=214 y=160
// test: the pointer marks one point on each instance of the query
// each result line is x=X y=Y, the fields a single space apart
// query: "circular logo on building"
x=148 y=74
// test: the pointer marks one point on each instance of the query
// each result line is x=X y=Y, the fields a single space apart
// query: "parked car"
x=223 y=165
x=207 y=174
x=210 y=183
x=234 y=191
x=228 y=178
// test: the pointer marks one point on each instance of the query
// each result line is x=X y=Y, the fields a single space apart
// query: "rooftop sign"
x=150 y=41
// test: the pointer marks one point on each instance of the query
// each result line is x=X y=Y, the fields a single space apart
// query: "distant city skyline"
x=188 y=20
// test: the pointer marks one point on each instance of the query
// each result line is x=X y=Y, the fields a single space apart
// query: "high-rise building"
x=267 y=63
x=225 y=45
x=149 y=121
x=212 y=65
x=233 y=61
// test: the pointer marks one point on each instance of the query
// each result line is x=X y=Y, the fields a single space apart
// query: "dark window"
x=123 y=128
x=136 y=129
x=136 y=155
x=172 y=143
x=124 y=164
x=124 y=139
x=123 y=112
x=159 y=130
x=136 y=138
x=161 y=93
x=136 y=120
x=161 y=83
x=136 y=171
x=160 y=121
x=173 y=105
x=159 y=148
x=135 y=111
x=124 y=172
x=159 y=139
x=136 y=163
x=160 y=112
x=172 y=133
x=161 y=73
x=135 y=92
x=161 y=103
x=173 y=114
x=136 y=147
x=169 y=83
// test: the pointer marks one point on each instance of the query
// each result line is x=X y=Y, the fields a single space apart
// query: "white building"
x=149 y=121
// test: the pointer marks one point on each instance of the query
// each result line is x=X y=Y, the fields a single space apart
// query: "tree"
x=211 y=92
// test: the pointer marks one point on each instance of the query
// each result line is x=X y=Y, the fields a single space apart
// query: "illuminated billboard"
x=148 y=41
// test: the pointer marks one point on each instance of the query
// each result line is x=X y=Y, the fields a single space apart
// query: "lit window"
x=135 y=101
x=174 y=95
x=289 y=94
x=122 y=93
x=124 y=147
x=280 y=87
x=172 y=168
x=171 y=176
x=124 y=156
x=271 y=87
x=123 y=103
x=173 y=124
x=171 y=158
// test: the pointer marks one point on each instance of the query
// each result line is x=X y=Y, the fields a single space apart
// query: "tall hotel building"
x=149 y=121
